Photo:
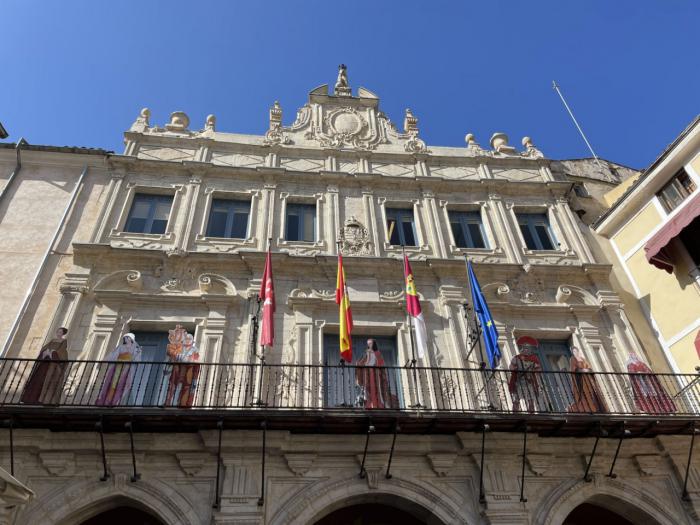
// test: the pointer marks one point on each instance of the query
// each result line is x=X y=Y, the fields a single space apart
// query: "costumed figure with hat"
x=587 y=395
x=524 y=382
x=119 y=376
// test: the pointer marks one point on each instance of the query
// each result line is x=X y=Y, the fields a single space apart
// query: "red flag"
x=414 y=310
x=267 y=296
x=342 y=299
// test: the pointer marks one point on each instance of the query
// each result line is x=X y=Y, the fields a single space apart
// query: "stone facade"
x=344 y=157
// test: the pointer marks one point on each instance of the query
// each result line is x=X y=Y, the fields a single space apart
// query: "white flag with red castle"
x=267 y=296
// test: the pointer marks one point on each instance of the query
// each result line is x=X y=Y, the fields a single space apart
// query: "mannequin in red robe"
x=373 y=381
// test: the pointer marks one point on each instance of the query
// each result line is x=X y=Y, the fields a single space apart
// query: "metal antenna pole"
x=556 y=88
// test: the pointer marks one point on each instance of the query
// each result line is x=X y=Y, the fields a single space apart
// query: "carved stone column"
x=113 y=191
x=505 y=234
x=73 y=288
x=333 y=218
x=438 y=240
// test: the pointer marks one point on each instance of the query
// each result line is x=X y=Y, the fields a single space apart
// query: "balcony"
x=165 y=396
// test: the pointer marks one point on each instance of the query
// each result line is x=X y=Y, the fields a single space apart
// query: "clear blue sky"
x=78 y=72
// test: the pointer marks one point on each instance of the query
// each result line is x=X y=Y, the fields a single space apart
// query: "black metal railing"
x=321 y=387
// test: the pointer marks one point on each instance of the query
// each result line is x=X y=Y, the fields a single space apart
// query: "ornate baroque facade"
x=341 y=175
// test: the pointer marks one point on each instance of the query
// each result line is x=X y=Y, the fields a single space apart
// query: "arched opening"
x=378 y=509
x=608 y=509
x=370 y=514
x=121 y=515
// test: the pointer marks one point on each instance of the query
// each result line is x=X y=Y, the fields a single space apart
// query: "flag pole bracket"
x=99 y=426
x=599 y=433
x=482 y=495
x=370 y=430
x=217 y=498
x=685 y=496
x=261 y=499
x=397 y=429
x=129 y=425
x=623 y=434
x=10 y=422
x=523 y=499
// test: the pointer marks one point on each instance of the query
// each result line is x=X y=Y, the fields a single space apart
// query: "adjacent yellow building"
x=654 y=228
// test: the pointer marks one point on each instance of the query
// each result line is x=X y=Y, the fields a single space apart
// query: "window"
x=536 y=231
x=149 y=213
x=399 y=224
x=229 y=219
x=301 y=222
x=580 y=190
x=676 y=190
x=690 y=237
x=467 y=229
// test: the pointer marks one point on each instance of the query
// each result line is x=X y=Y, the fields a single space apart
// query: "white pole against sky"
x=558 y=90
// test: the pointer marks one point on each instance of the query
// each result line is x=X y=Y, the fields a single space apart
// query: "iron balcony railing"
x=134 y=385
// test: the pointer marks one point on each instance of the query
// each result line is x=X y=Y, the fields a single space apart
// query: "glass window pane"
x=217 y=224
x=477 y=237
x=158 y=226
x=135 y=225
x=458 y=234
x=292 y=225
x=529 y=241
x=309 y=225
x=141 y=207
x=162 y=210
x=240 y=225
x=407 y=227
x=543 y=236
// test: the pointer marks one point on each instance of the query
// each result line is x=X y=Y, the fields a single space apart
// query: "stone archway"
x=637 y=506
x=74 y=503
x=370 y=513
x=123 y=512
x=423 y=501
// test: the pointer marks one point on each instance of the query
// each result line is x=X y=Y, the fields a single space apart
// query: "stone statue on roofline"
x=342 y=88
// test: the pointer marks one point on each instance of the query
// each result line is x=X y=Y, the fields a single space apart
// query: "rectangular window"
x=301 y=222
x=467 y=229
x=401 y=227
x=228 y=219
x=536 y=231
x=149 y=213
x=676 y=190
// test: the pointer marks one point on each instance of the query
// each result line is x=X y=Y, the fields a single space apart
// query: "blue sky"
x=78 y=72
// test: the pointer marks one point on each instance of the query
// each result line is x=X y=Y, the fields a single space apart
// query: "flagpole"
x=261 y=357
x=410 y=332
x=476 y=317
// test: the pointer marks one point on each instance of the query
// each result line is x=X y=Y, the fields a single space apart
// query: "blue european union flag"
x=488 y=327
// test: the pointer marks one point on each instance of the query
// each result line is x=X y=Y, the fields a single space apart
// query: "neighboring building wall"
x=31 y=209
x=671 y=302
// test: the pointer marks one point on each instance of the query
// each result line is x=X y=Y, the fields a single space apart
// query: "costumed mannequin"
x=524 y=382
x=119 y=377
x=373 y=382
x=184 y=370
x=45 y=383
x=649 y=394
x=587 y=396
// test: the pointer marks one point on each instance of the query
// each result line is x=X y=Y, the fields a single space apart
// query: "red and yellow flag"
x=342 y=299
x=414 y=310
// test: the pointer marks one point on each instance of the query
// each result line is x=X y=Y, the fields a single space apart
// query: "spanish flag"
x=414 y=310
x=342 y=299
x=267 y=296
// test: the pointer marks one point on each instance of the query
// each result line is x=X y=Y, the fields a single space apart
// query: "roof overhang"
x=651 y=181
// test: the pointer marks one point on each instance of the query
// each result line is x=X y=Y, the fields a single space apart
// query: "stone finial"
x=275 y=115
x=179 y=121
x=342 y=87
x=499 y=142
x=410 y=122
x=210 y=124
x=530 y=149
x=142 y=121
x=470 y=139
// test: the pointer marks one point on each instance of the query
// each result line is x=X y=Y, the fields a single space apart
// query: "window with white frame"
x=400 y=224
x=149 y=213
x=300 y=222
x=467 y=229
x=676 y=190
x=228 y=218
x=536 y=231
